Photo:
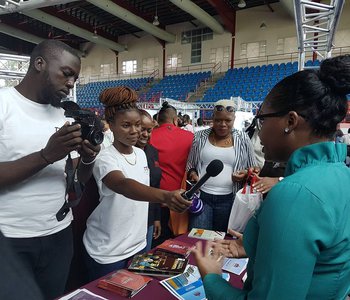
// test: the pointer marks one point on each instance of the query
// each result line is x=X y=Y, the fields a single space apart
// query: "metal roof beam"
x=25 y=36
x=73 y=29
x=200 y=14
x=133 y=19
x=227 y=14
x=12 y=6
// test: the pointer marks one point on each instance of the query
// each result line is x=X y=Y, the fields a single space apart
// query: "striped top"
x=243 y=155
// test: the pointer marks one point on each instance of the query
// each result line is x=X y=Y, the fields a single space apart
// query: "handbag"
x=246 y=203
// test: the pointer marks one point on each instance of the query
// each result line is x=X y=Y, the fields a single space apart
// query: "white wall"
x=279 y=25
x=98 y=55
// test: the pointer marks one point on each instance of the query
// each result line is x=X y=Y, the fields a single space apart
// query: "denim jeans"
x=216 y=212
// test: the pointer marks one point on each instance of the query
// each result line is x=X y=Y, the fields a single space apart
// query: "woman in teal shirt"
x=298 y=243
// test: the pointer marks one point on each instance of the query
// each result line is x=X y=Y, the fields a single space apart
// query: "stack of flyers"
x=235 y=265
x=189 y=285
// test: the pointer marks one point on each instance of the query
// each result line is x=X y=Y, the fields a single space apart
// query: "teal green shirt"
x=298 y=243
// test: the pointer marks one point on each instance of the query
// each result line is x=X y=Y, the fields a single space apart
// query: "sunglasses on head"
x=222 y=108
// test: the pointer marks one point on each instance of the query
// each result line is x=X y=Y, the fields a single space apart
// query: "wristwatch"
x=280 y=178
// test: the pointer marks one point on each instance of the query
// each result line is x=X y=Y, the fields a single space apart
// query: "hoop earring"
x=286 y=130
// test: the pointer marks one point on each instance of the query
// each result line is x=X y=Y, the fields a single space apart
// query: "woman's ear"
x=291 y=122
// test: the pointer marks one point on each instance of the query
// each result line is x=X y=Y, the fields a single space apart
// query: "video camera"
x=91 y=125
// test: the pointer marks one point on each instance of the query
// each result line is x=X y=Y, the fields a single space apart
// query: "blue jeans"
x=149 y=238
x=216 y=212
x=96 y=270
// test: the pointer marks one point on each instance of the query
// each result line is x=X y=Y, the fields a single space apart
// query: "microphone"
x=213 y=169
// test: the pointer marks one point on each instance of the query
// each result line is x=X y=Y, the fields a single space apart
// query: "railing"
x=190 y=69
x=281 y=58
x=214 y=68
x=139 y=74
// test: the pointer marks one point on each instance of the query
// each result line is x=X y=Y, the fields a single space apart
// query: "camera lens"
x=96 y=137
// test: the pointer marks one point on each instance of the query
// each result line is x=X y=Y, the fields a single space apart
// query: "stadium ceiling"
x=23 y=23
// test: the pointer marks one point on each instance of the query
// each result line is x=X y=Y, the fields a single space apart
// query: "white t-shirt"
x=117 y=228
x=222 y=183
x=28 y=209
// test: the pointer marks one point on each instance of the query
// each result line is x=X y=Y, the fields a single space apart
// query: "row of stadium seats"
x=251 y=83
x=87 y=95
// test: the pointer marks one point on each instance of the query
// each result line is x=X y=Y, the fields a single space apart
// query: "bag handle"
x=252 y=181
x=246 y=182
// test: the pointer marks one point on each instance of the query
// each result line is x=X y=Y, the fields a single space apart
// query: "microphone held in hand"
x=213 y=169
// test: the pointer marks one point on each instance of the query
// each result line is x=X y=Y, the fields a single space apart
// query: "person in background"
x=200 y=125
x=116 y=230
x=155 y=120
x=173 y=145
x=338 y=137
x=35 y=140
x=298 y=242
x=346 y=137
x=186 y=124
x=346 y=140
x=235 y=150
x=107 y=135
x=154 y=226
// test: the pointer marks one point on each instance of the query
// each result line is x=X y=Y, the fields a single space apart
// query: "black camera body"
x=91 y=125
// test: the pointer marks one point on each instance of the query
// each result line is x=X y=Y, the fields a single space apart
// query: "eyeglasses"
x=222 y=108
x=261 y=117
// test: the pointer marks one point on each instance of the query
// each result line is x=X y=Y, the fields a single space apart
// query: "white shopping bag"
x=246 y=202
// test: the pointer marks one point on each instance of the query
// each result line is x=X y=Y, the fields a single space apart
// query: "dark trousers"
x=96 y=270
x=48 y=259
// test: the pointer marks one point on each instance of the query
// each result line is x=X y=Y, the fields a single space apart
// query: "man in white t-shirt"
x=35 y=139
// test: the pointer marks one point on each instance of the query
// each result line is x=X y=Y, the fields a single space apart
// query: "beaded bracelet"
x=44 y=158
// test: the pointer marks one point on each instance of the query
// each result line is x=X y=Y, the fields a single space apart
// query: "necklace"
x=227 y=141
x=130 y=160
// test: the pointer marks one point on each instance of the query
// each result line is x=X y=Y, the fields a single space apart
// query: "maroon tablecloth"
x=154 y=290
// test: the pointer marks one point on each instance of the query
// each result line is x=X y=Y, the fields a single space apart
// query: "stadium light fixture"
x=242 y=4
x=156 y=21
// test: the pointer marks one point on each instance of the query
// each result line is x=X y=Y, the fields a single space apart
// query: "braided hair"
x=118 y=99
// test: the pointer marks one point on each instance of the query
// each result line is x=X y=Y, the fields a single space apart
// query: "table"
x=154 y=290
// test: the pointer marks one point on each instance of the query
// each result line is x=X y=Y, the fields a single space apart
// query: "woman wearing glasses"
x=235 y=150
x=298 y=243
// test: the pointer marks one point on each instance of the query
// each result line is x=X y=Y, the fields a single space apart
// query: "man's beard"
x=49 y=94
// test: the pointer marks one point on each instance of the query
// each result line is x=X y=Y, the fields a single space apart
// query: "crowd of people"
x=297 y=243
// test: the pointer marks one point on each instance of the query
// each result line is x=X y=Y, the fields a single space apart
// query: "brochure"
x=235 y=265
x=189 y=285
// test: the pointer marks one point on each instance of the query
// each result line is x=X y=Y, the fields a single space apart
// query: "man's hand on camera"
x=62 y=142
x=89 y=151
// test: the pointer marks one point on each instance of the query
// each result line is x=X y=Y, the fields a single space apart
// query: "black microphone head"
x=214 y=168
